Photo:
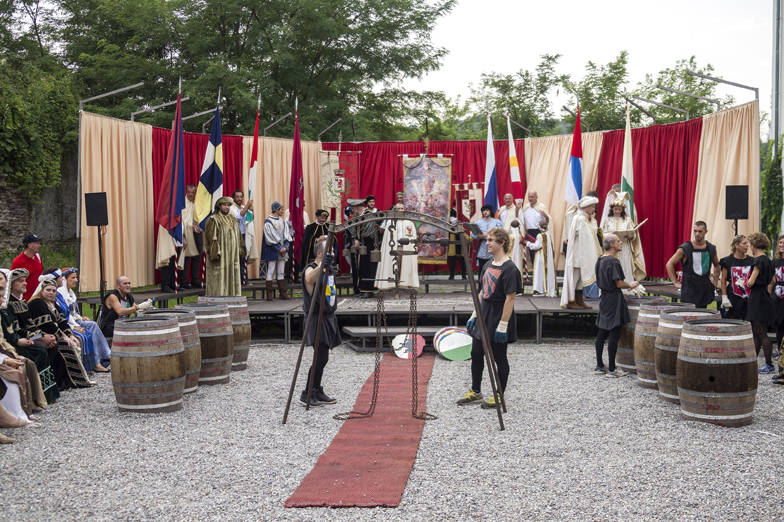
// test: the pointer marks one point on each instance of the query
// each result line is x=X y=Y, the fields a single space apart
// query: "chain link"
x=412 y=332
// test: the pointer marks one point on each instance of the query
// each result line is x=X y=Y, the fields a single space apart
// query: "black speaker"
x=737 y=201
x=95 y=209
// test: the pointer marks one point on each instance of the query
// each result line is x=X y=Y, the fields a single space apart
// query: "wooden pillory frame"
x=459 y=231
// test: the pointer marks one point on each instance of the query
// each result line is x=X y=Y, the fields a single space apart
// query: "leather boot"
x=571 y=305
x=578 y=299
x=270 y=291
x=282 y=290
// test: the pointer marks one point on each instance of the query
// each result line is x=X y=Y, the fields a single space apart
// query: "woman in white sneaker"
x=500 y=283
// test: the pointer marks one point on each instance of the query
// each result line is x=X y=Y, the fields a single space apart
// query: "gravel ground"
x=576 y=446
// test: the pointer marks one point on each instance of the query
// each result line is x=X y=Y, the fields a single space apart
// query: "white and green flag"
x=627 y=169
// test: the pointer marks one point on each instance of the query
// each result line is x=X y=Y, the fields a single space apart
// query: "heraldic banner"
x=427 y=184
x=339 y=178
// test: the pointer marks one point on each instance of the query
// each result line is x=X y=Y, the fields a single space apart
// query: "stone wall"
x=53 y=217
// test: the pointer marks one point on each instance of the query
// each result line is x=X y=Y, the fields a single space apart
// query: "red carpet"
x=369 y=460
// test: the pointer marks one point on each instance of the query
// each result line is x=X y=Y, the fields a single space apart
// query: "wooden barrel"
x=190 y=342
x=644 y=339
x=217 y=341
x=148 y=364
x=624 y=358
x=240 y=324
x=665 y=348
x=717 y=371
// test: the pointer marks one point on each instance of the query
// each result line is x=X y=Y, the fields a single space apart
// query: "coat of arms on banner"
x=339 y=178
x=427 y=184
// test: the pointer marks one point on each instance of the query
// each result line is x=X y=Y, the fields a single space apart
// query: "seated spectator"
x=13 y=386
x=46 y=318
x=39 y=372
x=117 y=303
x=66 y=300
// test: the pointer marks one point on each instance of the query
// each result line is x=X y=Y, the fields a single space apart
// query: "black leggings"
x=453 y=262
x=611 y=336
x=322 y=358
x=760 y=331
x=478 y=364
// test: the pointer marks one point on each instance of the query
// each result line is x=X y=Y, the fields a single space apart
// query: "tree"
x=525 y=95
x=771 y=191
x=678 y=78
x=601 y=94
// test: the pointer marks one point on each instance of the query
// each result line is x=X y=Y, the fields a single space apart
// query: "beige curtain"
x=116 y=158
x=729 y=155
x=274 y=177
x=546 y=160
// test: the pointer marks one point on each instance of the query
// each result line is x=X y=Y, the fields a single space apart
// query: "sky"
x=505 y=36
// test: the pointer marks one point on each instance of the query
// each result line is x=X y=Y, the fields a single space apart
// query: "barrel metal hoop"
x=668 y=395
x=147 y=384
x=699 y=337
x=148 y=406
x=651 y=381
x=217 y=359
x=710 y=360
x=666 y=348
x=716 y=395
x=715 y=417
x=139 y=355
x=668 y=324
x=133 y=333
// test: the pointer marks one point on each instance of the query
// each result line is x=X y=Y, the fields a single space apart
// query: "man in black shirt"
x=613 y=312
x=700 y=266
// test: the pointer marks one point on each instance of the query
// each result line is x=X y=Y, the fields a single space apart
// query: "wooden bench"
x=364 y=333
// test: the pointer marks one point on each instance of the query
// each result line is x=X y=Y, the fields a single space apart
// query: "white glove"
x=725 y=302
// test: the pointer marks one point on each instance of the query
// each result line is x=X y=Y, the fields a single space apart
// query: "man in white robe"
x=544 y=265
x=190 y=273
x=409 y=273
x=581 y=254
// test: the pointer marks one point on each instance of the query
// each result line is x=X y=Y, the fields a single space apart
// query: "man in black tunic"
x=369 y=235
x=312 y=232
x=613 y=312
x=696 y=258
x=329 y=335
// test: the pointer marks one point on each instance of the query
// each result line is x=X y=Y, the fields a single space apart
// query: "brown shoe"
x=6 y=440
x=578 y=299
x=282 y=290
x=270 y=291
x=571 y=305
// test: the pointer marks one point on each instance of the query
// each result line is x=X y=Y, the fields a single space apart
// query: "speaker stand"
x=736 y=226
x=100 y=263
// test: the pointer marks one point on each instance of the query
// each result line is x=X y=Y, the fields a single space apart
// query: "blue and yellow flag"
x=210 y=187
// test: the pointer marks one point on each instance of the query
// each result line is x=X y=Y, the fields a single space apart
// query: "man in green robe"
x=222 y=244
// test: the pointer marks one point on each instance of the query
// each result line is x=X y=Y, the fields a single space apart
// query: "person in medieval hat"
x=222 y=244
x=312 y=232
x=582 y=251
x=275 y=249
x=369 y=235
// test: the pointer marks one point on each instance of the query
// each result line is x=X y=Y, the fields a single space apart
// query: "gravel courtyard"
x=576 y=446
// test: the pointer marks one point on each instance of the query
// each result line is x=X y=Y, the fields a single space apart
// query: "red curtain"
x=665 y=159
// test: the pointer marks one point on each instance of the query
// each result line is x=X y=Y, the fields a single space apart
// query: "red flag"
x=171 y=198
x=296 y=192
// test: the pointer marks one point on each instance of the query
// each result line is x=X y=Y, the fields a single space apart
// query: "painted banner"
x=339 y=178
x=427 y=184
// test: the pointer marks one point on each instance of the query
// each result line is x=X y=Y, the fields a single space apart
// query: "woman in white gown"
x=632 y=260
x=409 y=273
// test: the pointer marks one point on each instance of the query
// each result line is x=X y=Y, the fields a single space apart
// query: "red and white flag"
x=514 y=166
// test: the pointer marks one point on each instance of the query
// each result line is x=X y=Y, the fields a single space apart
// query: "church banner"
x=339 y=178
x=427 y=184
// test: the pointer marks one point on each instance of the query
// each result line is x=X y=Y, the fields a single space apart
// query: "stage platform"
x=445 y=309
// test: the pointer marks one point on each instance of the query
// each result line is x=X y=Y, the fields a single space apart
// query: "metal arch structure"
x=459 y=230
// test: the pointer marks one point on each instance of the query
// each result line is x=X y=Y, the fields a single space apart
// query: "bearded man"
x=222 y=243
x=583 y=249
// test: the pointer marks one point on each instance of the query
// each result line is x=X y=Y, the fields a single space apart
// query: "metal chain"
x=380 y=319
x=412 y=332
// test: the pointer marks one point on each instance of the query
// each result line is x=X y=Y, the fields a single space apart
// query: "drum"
x=644 y=339
x=665 y=348
x=148 y=364
x=190 y=342
x=240 y=324
x=624 y=359
x=217 y=341
x=408 y=346
x=453 y=343
x=717 y=371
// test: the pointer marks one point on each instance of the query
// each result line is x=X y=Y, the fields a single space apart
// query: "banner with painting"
x=339 y=181
x=427 y=184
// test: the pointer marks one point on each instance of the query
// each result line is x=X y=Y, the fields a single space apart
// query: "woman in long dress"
x=409 y=274
x=631 y=257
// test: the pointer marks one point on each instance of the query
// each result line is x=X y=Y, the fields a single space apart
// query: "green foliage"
x=678 y=78
x=771 y=191
x=601 y=94
x=37 y=120
x=59 y=255
x=525 y=95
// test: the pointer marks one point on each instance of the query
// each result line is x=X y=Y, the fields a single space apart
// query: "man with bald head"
x=117 y=303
